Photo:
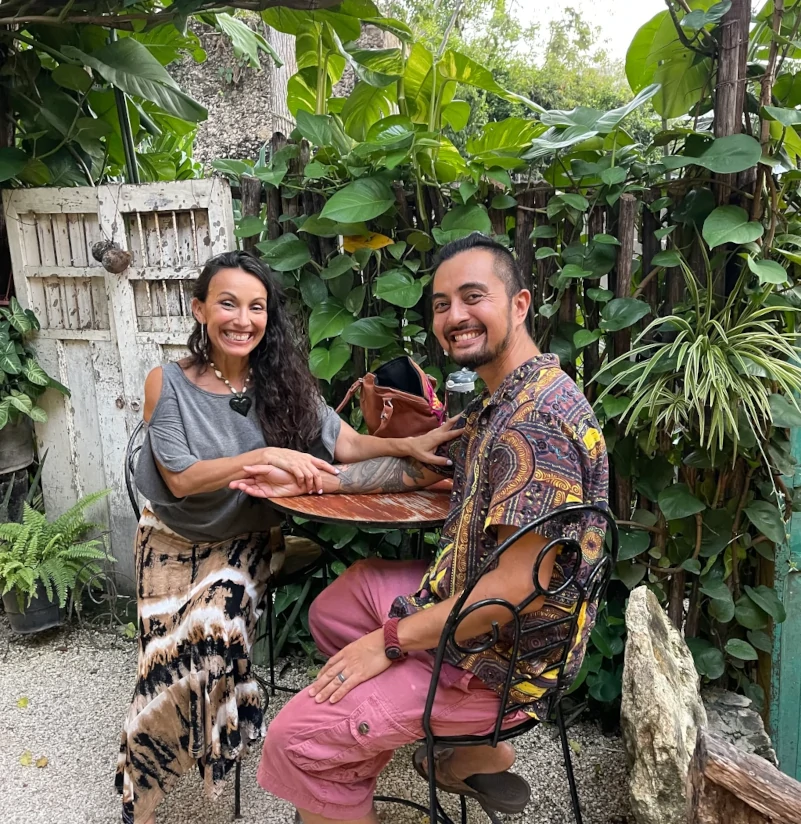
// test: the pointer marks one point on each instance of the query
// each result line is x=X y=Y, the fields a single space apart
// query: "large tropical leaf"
x=365 y=106
x=129 y=66
x=363 y=199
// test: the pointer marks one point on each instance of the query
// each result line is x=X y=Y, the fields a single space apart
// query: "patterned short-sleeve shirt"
x=531 y=446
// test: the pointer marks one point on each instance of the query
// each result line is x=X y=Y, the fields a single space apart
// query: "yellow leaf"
x=41 y=762
x=574 y=745
x=372 y=241
x=26 y=759
x=22 y=703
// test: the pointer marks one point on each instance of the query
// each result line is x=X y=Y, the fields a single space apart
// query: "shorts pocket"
x=352 y=746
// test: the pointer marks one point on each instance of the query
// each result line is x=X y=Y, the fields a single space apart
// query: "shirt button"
x=364 y=728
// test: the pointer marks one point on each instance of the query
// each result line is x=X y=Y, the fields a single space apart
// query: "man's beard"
x=473 y=360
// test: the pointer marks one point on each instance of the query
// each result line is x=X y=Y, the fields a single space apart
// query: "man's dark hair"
x=505 y=268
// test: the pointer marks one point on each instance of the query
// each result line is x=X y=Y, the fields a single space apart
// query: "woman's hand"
x=265 y=481
x=424 y=448
x=305 y=468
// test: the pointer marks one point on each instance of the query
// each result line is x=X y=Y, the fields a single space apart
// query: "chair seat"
x=299 y=554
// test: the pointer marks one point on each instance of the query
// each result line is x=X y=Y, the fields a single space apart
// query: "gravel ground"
x=78 y=683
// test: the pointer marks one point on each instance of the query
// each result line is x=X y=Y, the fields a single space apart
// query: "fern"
x=53 y=554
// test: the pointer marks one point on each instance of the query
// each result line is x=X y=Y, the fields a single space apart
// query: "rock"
x=732 y=717
x=660 y=713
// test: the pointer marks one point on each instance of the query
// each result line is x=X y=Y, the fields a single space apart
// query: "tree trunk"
x=251 y=206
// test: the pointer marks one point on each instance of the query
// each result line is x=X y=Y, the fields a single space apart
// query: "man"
x=530 y=444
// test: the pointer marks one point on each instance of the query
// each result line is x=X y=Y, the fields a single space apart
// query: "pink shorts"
x=325 y=758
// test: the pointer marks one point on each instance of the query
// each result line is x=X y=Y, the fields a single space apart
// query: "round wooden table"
x=421 y=509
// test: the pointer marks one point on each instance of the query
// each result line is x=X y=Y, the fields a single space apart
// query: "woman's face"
x=235 y=312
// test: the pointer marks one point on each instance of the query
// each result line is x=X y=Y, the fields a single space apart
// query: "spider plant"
x=713 y=367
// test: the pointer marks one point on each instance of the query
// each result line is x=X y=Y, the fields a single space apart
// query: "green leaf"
x=365 y=106
x=363 y=199
x=621 y=313
x=576 y=201
x=767 y=518
x=600 y=295
x=767 y=599
x=312 y=289
x=709 y=660
x=316 y=128
x=456 y=114
x=729 y=155
x=633 y=542
x=37 y=414
x=129 y=66
x=249 y=226
x=749 y=614
x=678 y=502
x=761 y=640
x=396 y=27
x=399 y=288
x=614 y=406
x=355 y=299
x=337 y=266
x=327 y=320
x=326 y=363
x=656 y=475
x=12 y=162
x=247 y=43
x=730 y=224
x=369 y=333
x=74 y=78
x=585 y=337
x=722 y=609
x=503 y=202
x=787 y=117
x=543 y=231
x=738 y=648
x=286 y=253
x=668 y=258
x=604 y=686
x=34 y=373
x=545 y=252
x=613 y=175
x=784 y=412
x=607 y=240
x=768 y=271
x=467 y=219
x=322 y=227
x=631 y=574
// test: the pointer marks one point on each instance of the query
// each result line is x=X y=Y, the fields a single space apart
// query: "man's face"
x=474 y=317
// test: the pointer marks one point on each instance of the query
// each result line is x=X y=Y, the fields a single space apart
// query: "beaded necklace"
x=240 y=403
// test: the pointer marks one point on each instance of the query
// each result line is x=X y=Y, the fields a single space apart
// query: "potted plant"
x=22 y=382
x=41 y=561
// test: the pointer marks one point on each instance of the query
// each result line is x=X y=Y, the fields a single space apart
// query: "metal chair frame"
x=589 y=592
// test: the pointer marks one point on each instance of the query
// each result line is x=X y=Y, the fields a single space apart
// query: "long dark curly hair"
x=284 y=389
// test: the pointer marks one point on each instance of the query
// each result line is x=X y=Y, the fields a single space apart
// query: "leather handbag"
x=398 y=400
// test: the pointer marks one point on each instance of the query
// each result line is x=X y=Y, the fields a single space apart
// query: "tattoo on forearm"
x=381 y=475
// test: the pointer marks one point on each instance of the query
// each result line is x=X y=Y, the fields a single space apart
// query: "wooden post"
x=650 y=247
x=277 y=142
x=497 y=216
x=621 y=341
x=307 y=203
x=251 y=206
x=545 y=267
x=725 y=784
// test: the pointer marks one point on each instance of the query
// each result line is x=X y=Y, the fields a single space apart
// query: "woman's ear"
x=199 y=311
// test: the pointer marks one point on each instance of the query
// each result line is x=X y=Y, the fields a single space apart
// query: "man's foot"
x=498 y=790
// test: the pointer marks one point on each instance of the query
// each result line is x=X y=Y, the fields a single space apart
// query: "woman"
x=203 y=551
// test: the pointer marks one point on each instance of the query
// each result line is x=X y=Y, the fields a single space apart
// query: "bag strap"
x=351 y=392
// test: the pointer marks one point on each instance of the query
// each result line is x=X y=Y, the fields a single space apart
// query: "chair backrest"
x=586 y=583
x=131 y=457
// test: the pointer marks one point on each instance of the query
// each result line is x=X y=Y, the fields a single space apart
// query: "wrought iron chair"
x=589 y=594
x=131 y=457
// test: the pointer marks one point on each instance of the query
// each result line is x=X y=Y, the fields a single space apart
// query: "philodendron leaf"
x=327 y=320
x=621 y=313
x=767 y=518
x=12 y=162
x=767 y=599
x=709 y=660
x=730 y=224
x=325 y=363
x=369 y=333
x=784 y=412
x=363 y=199
x=749 y=614
x=738 y=648
x=678 y=502
x=768 y=271
x=399 y=288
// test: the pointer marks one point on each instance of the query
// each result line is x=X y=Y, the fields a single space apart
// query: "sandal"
x=502 y=792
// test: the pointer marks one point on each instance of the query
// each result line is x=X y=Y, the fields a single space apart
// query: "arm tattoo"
x=381 y=475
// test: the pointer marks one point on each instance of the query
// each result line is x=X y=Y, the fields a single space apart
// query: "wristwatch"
x=392 y=647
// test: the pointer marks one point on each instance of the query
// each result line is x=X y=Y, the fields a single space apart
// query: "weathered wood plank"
x=729 y=785
x=61 y=199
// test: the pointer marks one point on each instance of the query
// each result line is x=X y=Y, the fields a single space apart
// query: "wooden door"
x=101 y=333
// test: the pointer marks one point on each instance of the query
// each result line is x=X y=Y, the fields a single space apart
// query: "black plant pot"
x=40 y=615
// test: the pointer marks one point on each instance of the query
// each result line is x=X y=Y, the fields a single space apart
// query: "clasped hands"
x=285 y=473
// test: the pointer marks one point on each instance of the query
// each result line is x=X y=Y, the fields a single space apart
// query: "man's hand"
x=266 y=481
x=424 y=448
x=358 y=662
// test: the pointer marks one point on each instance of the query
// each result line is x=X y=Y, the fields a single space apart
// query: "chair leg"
x=271 y=640
x=237 y=791
x=571 y=779
x=463 y=808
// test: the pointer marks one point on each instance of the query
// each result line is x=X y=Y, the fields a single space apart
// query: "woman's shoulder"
x=158 y=382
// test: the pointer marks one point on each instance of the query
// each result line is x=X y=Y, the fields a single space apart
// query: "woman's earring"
x=204 y=341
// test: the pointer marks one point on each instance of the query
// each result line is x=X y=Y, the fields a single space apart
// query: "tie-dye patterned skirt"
x=196 y=700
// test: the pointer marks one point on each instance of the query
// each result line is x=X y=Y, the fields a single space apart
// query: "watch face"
x=393 y=653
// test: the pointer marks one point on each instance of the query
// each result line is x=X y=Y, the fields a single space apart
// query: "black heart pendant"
x=241 y=404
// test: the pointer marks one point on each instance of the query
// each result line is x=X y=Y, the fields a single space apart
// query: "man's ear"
x=521 y=303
